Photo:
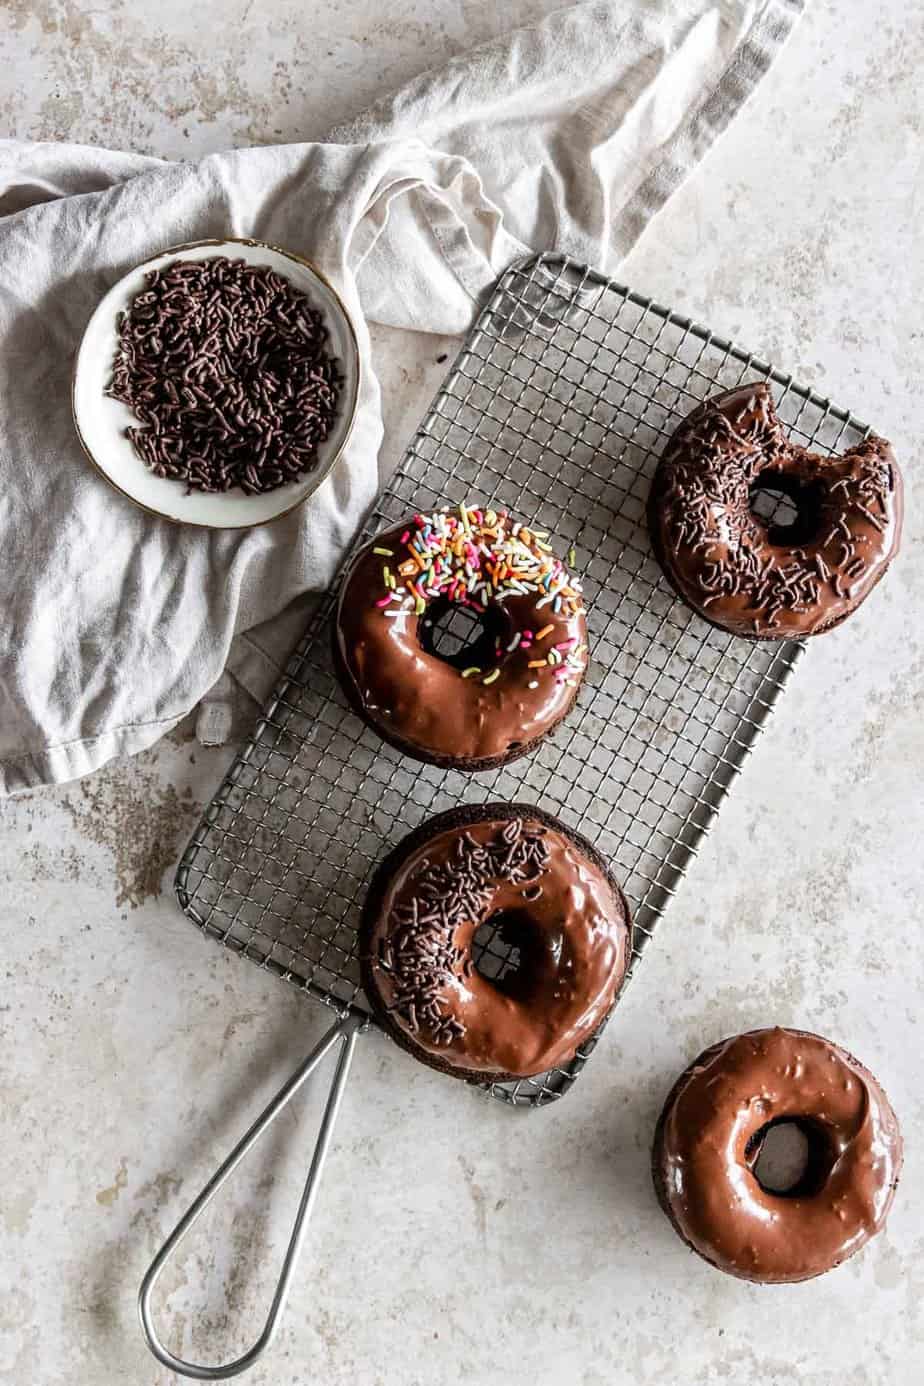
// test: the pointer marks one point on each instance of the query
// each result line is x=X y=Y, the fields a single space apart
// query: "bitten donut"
x=550 y=898
x=711 y=1132
x=501 y=694
x=771 y=582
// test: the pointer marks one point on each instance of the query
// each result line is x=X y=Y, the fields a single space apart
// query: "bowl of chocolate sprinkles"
x=216 y=383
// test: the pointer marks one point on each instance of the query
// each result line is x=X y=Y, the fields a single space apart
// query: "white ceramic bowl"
x=101 y=421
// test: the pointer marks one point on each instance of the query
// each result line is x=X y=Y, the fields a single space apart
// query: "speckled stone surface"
x=456 y=1240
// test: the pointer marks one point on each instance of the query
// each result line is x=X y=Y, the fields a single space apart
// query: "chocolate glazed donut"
x=710 y=1134
x=550 y=898
x=498 y=697
x=771 y=582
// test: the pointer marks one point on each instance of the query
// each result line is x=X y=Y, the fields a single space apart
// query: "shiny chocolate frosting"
x=498 y=697
x=709 y=1138
x=771 y=581
x=549 y=898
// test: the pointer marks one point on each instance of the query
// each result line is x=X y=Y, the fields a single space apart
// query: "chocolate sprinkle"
x=225 y=366
x=420 y=954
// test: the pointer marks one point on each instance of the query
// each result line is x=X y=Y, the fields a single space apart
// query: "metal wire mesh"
x=557 y=407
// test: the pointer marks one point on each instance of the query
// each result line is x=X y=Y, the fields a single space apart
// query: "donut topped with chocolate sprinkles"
x=771 y=581
x=493 y=942
x=225 y=366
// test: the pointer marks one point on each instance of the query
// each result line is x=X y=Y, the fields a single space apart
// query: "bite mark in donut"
x=759 y=580
x=708 y=1142
x=492 y=700
x=549 y=896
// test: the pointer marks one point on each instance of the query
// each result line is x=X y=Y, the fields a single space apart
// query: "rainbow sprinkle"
x=477 y=558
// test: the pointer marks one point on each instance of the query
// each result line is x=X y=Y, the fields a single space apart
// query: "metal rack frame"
x=557 y=407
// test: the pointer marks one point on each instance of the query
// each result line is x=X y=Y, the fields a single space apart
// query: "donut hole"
x=790 y=1157
x=461 y=636
x=507 y=951
x=788 y=509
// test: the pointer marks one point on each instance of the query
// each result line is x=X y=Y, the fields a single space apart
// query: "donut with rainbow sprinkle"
x=473 y=700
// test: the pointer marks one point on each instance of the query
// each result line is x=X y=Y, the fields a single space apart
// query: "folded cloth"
x=567 y=135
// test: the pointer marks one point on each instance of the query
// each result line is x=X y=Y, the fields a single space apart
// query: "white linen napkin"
x=568 y=135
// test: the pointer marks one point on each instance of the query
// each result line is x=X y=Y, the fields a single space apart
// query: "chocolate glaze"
x=708 y=1140
x=762 y=581
x=422 y=703
x=570 y=923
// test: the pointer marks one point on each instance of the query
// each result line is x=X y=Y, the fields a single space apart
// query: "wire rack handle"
x=345 y=1033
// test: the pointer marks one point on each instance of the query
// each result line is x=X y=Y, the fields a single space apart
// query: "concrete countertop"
x=455 y=1239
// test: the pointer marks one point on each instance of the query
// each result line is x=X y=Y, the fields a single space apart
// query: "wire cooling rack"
x=557 y=407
